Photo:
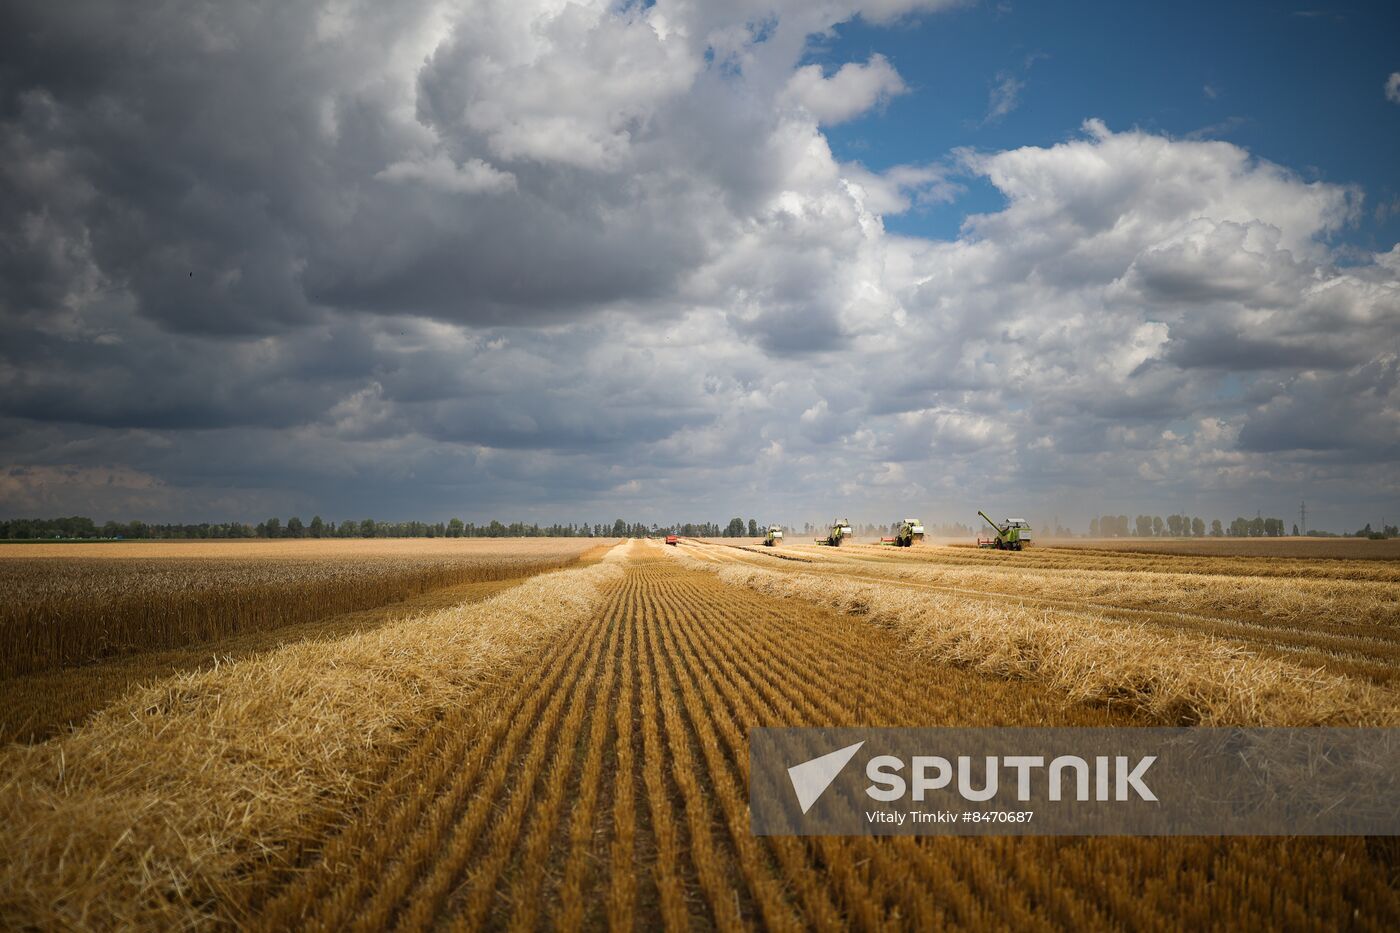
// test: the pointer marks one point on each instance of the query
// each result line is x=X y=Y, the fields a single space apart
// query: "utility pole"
x=1303 y=516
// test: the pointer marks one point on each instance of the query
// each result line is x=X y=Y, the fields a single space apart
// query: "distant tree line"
x=73 y=527
x=77 y=527
x=1185 y=526
x=1106 y=526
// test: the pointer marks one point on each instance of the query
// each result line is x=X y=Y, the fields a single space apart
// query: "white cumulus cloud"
x=848 y=93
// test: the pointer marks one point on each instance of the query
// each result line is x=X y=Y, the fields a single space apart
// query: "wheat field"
x=571 y=751
x=62 y=605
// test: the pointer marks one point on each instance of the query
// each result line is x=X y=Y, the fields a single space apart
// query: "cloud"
x=887 y=11
x=1217 y=130
x=1392 y=87
x=472 y=177
x=1115 y=192
x=1004 y=97
x=551 y=260
x=1006 y=88
x=81 y=489
x=1356 y=410
x=900 y=187
x=848 y=93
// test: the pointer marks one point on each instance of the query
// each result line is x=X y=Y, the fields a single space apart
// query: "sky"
x=679 y=261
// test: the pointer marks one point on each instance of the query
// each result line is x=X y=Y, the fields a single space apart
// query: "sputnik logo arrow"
x=811 y=778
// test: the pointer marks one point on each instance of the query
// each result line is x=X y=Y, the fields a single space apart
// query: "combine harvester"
x=1010 y=535
x=911 y=532
x=673 y=539
x=774 y=536
x=841 y=528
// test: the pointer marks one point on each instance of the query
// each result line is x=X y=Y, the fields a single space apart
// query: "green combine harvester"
x=1010 y=535
x=841 y=528
x=909 y=533
x=774 y=536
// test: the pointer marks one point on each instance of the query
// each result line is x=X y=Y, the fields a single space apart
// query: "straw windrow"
x=1090 y=658
x=188 y=793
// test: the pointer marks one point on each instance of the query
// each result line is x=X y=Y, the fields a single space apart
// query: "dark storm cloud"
x=1350 y=414
x=148 y=378
x=230 y=169
x=514 y=255
x=1205 y=347
x=190 y=138
x=510 y=260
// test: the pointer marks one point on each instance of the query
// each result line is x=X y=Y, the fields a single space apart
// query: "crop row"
x=1057 y=558
x=627 y=746
x=1370 y=603
x=1171 y=677
x=574 y=753
x=1336 y=625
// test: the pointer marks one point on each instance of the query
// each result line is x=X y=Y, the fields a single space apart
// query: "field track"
x=603 y=783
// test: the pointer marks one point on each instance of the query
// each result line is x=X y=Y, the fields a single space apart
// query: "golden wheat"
x=1273 y=548
x=717 y=661
x=1349 y=601
x=70 y=606
x=588 y=766
x=161 y=809
x=1240 y=560
x=1334 y=625
x=1171 y=678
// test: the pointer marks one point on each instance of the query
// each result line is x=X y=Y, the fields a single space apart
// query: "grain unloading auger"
x=774 y=537
x=841 y=528
x=910 y=531
x=1010 y=535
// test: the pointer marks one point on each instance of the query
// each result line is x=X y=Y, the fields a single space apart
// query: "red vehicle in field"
x=672 y=539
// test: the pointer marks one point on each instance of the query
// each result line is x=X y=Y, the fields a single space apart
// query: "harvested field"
x=1226 y=563
x=1308 y=548
x=1275 y=651
x=573 y=753
x=651 y=703
x=62 y=605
